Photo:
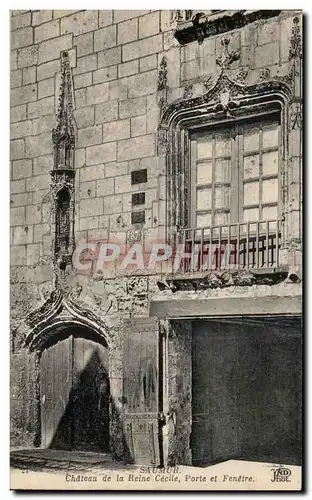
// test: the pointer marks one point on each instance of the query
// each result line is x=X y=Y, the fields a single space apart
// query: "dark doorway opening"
x=246 y=390
x=75 y=393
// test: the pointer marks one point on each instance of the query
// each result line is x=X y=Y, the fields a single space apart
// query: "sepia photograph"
x=156 y=190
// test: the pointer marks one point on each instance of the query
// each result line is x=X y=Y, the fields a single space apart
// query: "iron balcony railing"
x=240 y=246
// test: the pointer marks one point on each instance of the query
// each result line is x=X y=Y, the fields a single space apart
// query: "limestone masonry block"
x=39 y=145
x=18 y=255
x=16 y=78
x=84 y=44
x=42 y=107
x=17 y=186
x=17 y=149
x=105 y=74
x=46 y=88
x=127 y=31
x=22 y=168
x=22 y=235
x=27 y=56
x=85 y=64
x=87 y=189
x=128 y=68
x=112 y=204
x=29 y=75
x=17 y=216
x=37 y=182
x=84 y=117
x=43 y=164
x=43 y=124
x=33 y=214
x=48 y=69
x=20 y=129
x=22 y=37
x=79 y=23
x=21 y=199
x=115 y=169
x=132 y=107
x=90 y=136
x=98 y=93
x=20 y=95
x=21 y=21
x=147 y=63
x=105 y=187
x=91 y=207
x=105 y=18
x=142 y=84
x=41 y=16
x=109 y=57
x=267 y=55
x=32 y=254
x=83 y=80
x=123 y=15
x=88 y=223
x=92 y=173
x=52 y=49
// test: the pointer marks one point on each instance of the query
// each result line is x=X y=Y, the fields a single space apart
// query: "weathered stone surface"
x=21 y=21
x=16 y=78
x=101 y=153
x=105 y=187
x=123 y=15
x=83 y=80
x=20 y=129
x=43 y=165
x=39 y=145
x=20 y=95
x=142 y=84
x=91 y=207
x=127 y=31
x=46 y=88
x=115 y=131
x=29 y=75
x=149 y=24
x=142 y=48
x=41 y=16
x=128 y=68
x=109 y=57
x=90 y=136
x=105 y=74
x=132 y=107
x=98 y=93
x=105 y=18
x=17 y=216
x=85 y=118
x=43 y=124
x=48 y=69
x=51 y=49
x=17 y=149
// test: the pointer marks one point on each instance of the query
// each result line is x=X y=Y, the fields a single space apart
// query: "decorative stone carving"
x=63 y=174
x=296 y=118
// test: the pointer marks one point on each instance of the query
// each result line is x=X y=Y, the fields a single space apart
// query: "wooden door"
x=215 y=422
x=75 y=395
x=141 y=391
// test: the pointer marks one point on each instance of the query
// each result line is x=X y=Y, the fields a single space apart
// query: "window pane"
x=222 y=197
x=270 y=163
x=270 y=191
x=204 y=148
x=269 y=213
x=222 y=170
x=251 y=140
x=251 y=193
x=204 y=199
x=251 y=214
x=223 y=144
x=204 y=173
x=203 y=220
x=251 y=166
x=270 y=136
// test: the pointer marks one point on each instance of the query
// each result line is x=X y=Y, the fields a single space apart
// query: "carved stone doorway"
x=74 y=392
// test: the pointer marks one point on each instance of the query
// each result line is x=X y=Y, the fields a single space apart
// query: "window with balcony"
x=234 y=196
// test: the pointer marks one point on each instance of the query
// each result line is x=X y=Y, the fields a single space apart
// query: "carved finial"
x=295 y=49
x=162 y=75
x=63 y=135
x=227 y=58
